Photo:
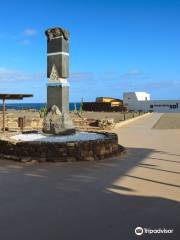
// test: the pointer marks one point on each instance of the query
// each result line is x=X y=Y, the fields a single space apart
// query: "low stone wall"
x=123 y=123
x=61 y=152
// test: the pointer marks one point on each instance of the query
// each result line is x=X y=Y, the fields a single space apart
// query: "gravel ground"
x=168 y=121
x=79 y=136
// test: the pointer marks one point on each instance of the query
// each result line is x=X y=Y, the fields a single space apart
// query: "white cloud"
x=161 y=84
x=30 y=32
x=12 y=76
x=81 y=76
x=132 y=73
x=7 y=88
x=94 y=77
x=108 y=76
x=25 y=42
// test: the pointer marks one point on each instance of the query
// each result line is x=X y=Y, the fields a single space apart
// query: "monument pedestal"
x=58 y=94
x=58 y=121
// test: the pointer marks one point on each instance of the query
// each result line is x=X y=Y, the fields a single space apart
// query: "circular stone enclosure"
x=69 y=151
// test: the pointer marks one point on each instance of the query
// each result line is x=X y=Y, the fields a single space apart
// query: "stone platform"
x=69 y=151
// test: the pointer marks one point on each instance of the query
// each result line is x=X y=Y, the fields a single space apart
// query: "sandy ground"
x=117 y=116
x=103 y=200
x=34 y=122
x=168 y=121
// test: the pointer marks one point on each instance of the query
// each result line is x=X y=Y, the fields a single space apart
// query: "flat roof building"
x=141 y=101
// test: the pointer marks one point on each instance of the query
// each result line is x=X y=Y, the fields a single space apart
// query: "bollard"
x=21 y=123
x=124 y=116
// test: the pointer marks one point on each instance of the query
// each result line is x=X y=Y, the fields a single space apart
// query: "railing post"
x=4 y=112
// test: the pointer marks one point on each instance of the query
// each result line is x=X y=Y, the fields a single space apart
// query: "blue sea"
x=37 y=106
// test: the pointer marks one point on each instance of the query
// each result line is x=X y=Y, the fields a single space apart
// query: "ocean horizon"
x=36 y=106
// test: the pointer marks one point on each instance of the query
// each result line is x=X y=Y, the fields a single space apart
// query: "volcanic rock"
x=57 y=123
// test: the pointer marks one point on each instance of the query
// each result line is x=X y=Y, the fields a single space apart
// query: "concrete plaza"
x=103 y=200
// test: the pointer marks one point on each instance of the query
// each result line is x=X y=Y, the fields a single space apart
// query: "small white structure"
x=141 y=101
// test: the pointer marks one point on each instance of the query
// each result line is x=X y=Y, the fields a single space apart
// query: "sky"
x=116 y=46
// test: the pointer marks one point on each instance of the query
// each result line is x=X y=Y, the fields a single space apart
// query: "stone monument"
x=58 y=120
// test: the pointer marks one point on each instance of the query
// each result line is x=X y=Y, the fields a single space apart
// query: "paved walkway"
x=156 y=154
x=103 y=200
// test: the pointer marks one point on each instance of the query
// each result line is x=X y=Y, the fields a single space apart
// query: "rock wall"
x=61 y=152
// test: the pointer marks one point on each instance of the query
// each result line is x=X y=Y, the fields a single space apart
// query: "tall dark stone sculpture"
x=58 y=86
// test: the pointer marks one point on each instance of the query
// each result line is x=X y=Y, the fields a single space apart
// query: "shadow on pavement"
x=72 y=201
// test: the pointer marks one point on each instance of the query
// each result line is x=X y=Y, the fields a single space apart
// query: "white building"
x=141 y=101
